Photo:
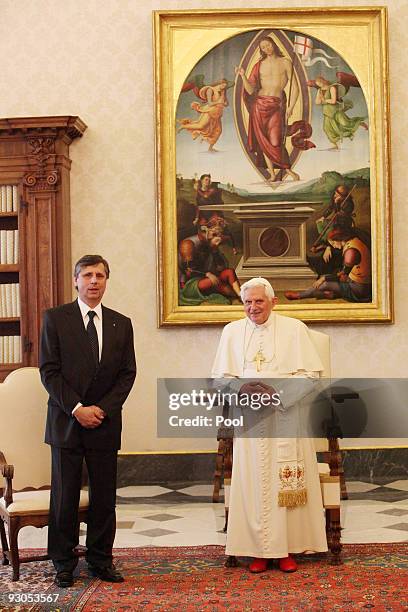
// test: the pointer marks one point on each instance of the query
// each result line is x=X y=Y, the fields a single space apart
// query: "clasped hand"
x=257 y=387
x=89 y=417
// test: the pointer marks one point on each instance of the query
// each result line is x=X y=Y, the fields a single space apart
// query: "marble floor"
x=183 y=514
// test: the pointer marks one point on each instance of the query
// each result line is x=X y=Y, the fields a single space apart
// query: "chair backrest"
x=23 y=408
x=321 y=343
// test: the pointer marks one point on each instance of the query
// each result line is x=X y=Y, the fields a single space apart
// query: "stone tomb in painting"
x=274 y=242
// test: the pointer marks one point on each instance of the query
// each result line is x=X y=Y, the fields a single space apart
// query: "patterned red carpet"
x=373 y=576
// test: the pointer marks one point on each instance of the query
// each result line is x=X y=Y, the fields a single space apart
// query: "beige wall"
x=93 y=58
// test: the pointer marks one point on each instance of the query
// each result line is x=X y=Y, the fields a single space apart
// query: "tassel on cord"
x=292 y=499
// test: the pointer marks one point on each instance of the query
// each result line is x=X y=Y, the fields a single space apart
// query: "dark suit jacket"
x=68 y=373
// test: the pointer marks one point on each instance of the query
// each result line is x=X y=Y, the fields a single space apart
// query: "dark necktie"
x=93 y=336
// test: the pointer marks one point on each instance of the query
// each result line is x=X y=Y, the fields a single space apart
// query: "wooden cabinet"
x=35 y=230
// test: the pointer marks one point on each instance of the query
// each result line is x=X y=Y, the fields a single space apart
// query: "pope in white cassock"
x=275 y=502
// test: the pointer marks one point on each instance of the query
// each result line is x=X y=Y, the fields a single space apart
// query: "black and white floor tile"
x=182 y=514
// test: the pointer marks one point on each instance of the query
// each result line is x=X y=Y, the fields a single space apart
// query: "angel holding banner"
x=337 y=125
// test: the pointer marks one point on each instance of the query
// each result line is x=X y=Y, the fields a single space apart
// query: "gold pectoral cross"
x=259 y=358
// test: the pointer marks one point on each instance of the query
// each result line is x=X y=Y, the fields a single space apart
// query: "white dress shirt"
x=84 y=308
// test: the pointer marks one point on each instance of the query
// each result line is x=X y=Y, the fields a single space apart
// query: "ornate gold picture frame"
x=273 y=159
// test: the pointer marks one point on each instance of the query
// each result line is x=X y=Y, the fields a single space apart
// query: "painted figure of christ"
x=269 y=110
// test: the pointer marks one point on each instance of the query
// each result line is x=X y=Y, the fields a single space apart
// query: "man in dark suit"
x=87 y=365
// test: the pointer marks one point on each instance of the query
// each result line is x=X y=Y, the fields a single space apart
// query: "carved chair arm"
x=8 y=473
x=333 y=456
x=2 y=462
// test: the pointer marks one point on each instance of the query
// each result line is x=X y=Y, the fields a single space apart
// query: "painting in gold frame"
x=272 y=159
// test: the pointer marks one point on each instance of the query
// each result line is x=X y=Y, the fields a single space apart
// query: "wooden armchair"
x=23 y=403
x=331 y=473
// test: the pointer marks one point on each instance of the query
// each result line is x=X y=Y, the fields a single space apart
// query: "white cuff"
x=79 y=405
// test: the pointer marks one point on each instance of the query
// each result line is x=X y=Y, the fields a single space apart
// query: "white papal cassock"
x=257 y=525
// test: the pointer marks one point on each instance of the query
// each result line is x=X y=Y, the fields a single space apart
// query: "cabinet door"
x=39 y=254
